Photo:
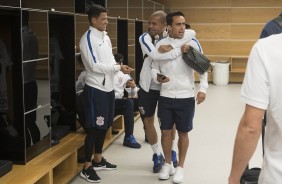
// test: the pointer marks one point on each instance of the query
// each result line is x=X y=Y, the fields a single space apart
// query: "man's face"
x=155 y=26
x=177 y=29
x=101 y=22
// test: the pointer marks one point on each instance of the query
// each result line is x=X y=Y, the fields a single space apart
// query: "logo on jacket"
x=100 y=121
x=141 y=109
x=120 y=79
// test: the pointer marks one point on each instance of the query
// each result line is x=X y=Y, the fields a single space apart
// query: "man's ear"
x=93 y=21
x=169 y=28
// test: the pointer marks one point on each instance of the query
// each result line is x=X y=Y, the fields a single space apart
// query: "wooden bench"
x=58 y=165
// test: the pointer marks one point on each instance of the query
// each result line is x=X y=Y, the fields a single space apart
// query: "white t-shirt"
x=262 y=88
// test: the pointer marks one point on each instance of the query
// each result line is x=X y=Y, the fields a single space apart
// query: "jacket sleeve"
x=155 y=70
x=188 y=35
x=203 y=86
x=89 y=56
x=148 y=48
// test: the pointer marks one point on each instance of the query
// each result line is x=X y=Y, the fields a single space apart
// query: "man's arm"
x=149 y=49
x=188 y=36
x=89 y=54
x=247 y=137
x=155 y=70
x=203 y=86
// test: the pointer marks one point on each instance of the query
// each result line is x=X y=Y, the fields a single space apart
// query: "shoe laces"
x=179 y=170
x=166 y=168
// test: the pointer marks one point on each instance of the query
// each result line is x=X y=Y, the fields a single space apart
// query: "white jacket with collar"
x=148 y=48
x=181 y=84
x=99 y=62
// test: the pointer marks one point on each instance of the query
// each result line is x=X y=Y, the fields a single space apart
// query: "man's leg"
x=183 y=144
x=166 y=120
x=128 y=113
x=99 y=162
x=173 y=147
x=147 y=105
x=150 y=130
x=88 y=173
x=108 y=103
x=166 y=144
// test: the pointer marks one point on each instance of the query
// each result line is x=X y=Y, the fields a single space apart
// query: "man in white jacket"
x=177 y=99
x=99 y=96
x=148 y=94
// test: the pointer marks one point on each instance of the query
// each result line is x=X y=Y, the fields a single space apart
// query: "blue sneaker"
x=158 y=162
x=131 y=142
x=174 y=159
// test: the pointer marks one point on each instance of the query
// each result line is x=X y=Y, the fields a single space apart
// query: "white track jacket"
x=148 y=48
x=181 y=84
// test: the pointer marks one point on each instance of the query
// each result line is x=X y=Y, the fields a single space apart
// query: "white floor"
x=209 y=155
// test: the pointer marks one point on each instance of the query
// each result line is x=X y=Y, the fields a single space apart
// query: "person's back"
x=261 y=92
x=269 y=55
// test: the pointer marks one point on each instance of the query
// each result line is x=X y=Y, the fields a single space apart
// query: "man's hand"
x=131 y=83
x=126 y=69
x=200 y=97
x=165 y=48
x=185 y=48
x=162 y=78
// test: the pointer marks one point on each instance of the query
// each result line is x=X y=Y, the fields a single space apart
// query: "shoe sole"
x=167 y=177
x=164 y=178
x=104 y=168
x=91 y=181
x=130 y=146
x=176 y=182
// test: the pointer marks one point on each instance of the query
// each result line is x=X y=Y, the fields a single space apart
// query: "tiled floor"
x=209 y=155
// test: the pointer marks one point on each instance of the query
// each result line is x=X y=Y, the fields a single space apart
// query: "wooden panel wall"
x=227 y=28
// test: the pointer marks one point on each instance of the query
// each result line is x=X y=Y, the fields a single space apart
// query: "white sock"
x=155 y=148
x=174 y=144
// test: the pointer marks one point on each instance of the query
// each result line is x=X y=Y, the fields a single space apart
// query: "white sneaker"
x=179 y=175
x=167 y=170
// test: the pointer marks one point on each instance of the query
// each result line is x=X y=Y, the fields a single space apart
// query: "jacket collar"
x=97 y=32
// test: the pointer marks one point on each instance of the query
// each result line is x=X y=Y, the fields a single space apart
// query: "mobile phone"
x=163 y=77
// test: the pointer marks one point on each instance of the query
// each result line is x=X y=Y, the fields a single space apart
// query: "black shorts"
x=98 y=108
x=147 y=102
x=179 y=111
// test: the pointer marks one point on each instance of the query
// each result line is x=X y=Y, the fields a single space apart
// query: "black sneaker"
x=103 y=165
x=90 y=175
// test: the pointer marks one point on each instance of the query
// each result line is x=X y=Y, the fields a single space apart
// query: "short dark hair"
x=119 y=58
x=94 y=11
x=187 y=26
x=160 y=14
x=170 y=15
